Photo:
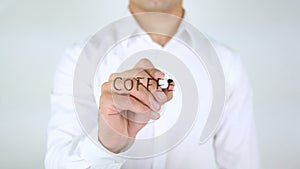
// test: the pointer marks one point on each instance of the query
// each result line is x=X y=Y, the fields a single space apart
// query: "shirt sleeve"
x=235 y=141
x=67 y=145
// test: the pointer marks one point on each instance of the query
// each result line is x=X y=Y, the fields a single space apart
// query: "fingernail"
x=160 y=95
x=155 y=115
x=159 y=74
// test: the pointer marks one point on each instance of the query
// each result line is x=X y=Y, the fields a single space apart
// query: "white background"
x=34 y=33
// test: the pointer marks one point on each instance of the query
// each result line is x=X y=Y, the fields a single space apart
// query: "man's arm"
x=235 y=142
x=68 y=147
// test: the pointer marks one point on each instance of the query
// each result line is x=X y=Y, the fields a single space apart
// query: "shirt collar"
x=182 y=34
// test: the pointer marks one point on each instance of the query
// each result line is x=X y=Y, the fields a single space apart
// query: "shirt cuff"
x=95 y=155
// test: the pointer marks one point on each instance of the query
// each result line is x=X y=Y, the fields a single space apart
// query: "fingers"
x=149 y=79
x=124 y=82
x=144 y=64
x=136 y=118
x=123 y=103
x=140 y=92
x=155 y=73
x=138 y=72
x=169 y=91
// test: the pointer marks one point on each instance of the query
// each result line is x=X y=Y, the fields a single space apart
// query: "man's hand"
x=123 y=113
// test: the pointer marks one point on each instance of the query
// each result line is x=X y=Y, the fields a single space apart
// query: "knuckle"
x=131 y=101
x=137 y=106
x=152 y=87
x=138 y=72
x=113 y=76
x=144 y=61
x=105 y=86
x=143 y=109
x=152 y=70
x=105 y=96
x=170 y=96
x=103 y=99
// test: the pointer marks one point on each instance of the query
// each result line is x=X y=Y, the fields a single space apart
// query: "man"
x=233 y=145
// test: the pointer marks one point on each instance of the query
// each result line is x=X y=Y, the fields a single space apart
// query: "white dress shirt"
x=233 y=145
